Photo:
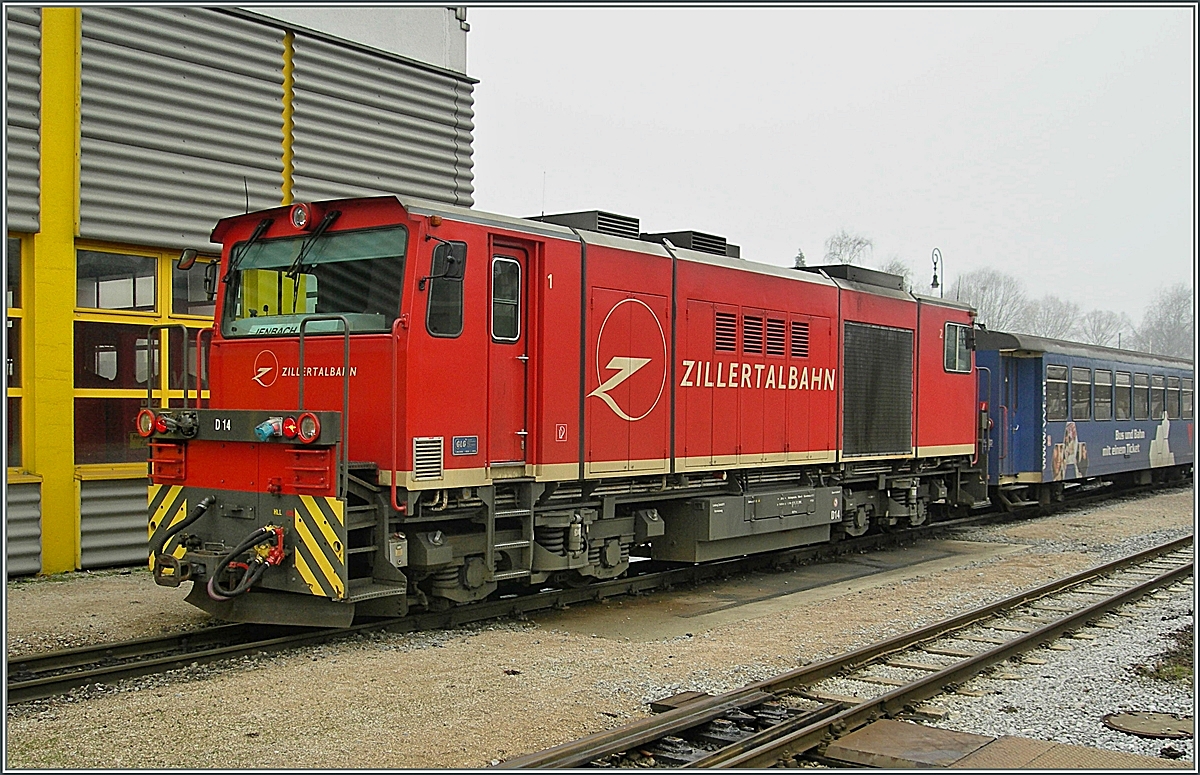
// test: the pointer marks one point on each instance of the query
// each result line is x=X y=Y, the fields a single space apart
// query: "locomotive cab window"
x=958 y=349
x=274 y=284
x=1056 y=392
x=1081 y=394
x=444 y=313
x=506 y=299
x=1104 y=395
x=1141 y=396
x=1123 y=397
x=1186 y=399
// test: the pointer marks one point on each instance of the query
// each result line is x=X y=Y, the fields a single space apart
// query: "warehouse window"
x=1173 y=397
x=188 y=294
x=444 y=315
x=799 y=347
x=776 y=334
x=1123 y=397
x=725 y=335
x=13 y=318
x=957 y=349
x=506 y=299
x=1104 y=395
x=12 y=284
x=1141 y=397
x=752 y=334
x=115 y=281
x=1056 y=392
x=1081 y=394
x=1186 y=399
x=1158 y=398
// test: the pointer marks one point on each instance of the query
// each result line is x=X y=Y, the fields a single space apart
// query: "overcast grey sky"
x=1056 y=144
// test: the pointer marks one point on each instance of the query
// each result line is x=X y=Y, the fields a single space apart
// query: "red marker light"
x=983 y=406
x=310 y=428
x=160 y=424
x=290 y=427
x=145 y=422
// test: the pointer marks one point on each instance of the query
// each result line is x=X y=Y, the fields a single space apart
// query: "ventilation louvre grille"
x=726 y=335
x=595 y=220
x=427 y=457
x=775 y=337
x=752 y=334
x=799 y=339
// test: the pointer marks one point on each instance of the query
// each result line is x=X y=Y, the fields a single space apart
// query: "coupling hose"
x=197 y=511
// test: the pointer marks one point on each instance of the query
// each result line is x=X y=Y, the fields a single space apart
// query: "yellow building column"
x=50 y=317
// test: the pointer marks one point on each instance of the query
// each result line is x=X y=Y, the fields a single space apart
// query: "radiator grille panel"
x=752 y=334
x=427 y=457
x=726 y=334
x=775 y=337
x=877 y=385
x=799 y=339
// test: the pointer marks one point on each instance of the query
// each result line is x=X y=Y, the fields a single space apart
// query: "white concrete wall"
x=428 y=34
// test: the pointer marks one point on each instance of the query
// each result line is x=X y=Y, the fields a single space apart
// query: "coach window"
x=1186 y=399
x=1104 y=395
x=1158 y=401
x=506 y=299
x=1141 y=397
x=1081 y=394
x=1056 y=392
x=1173 y=397
x=958 y=353
x=1123 y=396
x=444 y=315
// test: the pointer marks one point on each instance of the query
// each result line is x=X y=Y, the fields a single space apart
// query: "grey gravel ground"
x=481 y=694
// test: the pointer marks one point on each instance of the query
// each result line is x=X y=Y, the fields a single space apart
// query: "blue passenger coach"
x=1065 y=412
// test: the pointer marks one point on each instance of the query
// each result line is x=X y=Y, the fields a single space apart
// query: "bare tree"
x=998 y=298
x=1050 y=317
x=1169 y=324
x=846 y=248
x=897 y=265
x=800 y=262
x=1101 y=327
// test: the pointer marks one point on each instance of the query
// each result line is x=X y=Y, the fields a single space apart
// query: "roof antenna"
x=247 y=187
x=543 y=193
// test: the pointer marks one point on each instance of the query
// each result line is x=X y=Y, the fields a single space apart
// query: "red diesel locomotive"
x=413 y=404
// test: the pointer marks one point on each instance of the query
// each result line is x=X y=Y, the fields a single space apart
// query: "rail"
x=343 y=453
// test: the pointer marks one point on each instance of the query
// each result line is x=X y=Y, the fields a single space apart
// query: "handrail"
x=981 y=433
x=200 y=370
x=152 y=373
x=395 y=450
x=343 y=456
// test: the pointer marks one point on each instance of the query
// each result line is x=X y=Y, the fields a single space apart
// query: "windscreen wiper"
x=294 y=270
x=262 y=226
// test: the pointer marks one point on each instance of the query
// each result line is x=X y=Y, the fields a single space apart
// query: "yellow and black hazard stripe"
x=166 y=506
x=321 y=546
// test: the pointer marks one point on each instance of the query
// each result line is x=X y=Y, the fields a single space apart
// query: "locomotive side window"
x=1123 y=399
x=1056 y=392
x=1141 y=397
x=1104 y=395
x=1173 y=397
x=958 y=350
x=444 y=315
x=1081 y=394
x=506 y=299
x=274 y=283
x=1186 y=399
x=1158 y=399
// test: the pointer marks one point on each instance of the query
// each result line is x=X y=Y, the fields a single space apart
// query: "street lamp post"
x=937 y=263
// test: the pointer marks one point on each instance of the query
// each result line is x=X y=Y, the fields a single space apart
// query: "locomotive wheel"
x=858 y=524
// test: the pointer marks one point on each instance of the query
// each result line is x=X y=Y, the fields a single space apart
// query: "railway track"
x=40 y=676
x=772 y=721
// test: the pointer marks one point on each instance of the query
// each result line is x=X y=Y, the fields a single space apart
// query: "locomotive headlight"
x=290 y=427
x=309 y=428
x=145 y=422
x=301 y=216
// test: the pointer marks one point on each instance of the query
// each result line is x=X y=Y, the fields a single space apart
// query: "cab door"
x=508 y=356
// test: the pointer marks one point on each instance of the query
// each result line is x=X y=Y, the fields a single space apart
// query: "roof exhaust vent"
x=595 y=220
x=698 y=241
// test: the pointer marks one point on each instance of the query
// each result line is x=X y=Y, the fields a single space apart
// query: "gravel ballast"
x=476 y=695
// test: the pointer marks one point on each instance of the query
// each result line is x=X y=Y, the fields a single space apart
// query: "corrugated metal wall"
x=112 y=523
x=178 y=106
x=23 y=528
x=24 y=60
x=369 y=125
